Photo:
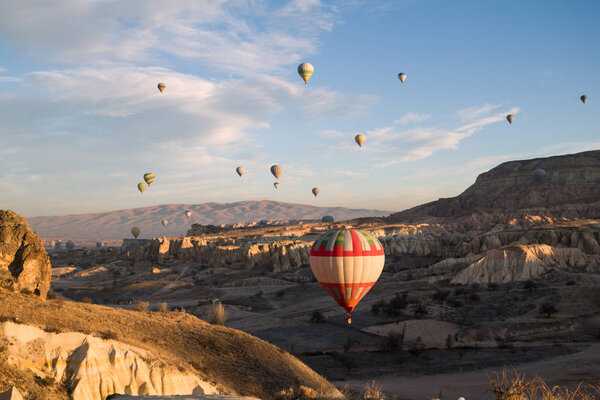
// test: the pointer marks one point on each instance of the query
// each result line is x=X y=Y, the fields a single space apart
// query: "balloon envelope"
x=276 y=184
x=402 y=77
x=510 y=118
x=315 y=191
x=276 y=170
x=327 y=218
x=164 y=222
x=188 y=214
x=359 y=139
x=240 y=171
x=583 y=98
x=149 y=178
x=98 y=244
x=70 y=245
x=305 y=70
x=135 y=231
x=347 y=263
x=141 y=187
x=539 y=174
x=161 y=86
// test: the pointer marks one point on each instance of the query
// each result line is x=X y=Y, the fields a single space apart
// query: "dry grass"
x=141 y=306
x=217 y=314
x=231 y=359
x=514 y=386
x=162 y=307
x=372 y=391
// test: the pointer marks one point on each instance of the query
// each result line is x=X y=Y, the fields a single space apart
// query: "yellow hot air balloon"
x=510 y=118
x=240 y=171
x=164 y=222
x=402 y=77
x=315 y=191
x=141 y=187
x=347 y=263
x=360 y=139
x=149 y=178
x=583 y=98
x=161 y=86
x=188 y=214
x=305 y=70
x=135 y=231
x=276 y=170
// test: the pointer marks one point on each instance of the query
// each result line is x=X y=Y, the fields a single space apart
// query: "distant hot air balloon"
x=70 y=245
x=359 y=139
x=276 y=170
x=402 y=77
x=510 y=118
x=141 y=187
x=57 y=245
x=164 y=222
x=98 y=245
x=315 y=191
x=583 y=98
x=161 y=86
x=347 y=263
x=188 y=214
x=240 y=171
x=149 y=178
x=327 y=218
x=276 y=184
x=135 y=231
x=305 y=70
x=539 y=175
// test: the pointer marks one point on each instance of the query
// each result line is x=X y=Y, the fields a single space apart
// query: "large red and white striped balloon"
x=347 y=263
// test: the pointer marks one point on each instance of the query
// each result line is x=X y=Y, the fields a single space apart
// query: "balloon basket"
x=348 y=318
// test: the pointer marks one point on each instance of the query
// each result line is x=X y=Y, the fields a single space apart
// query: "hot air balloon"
x=347 y=263
x=149 y=178
x=164 y=222
x=188 y=214
x=276 y=184
x=141 y=187
x=240 y=171
x=135 y=231
x=539 y=175
x=583 y=98
x=510 y=118
x=315 y=191
x=327 y=218
x=98 y=245
x=70 y=245
x=57 y=245
x=402 y=77
x=359 y=139
x=161 y=86
x=276 y=170
x=305 y=70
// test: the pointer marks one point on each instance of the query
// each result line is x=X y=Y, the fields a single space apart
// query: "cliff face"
x=570 y=188
x=24 y=264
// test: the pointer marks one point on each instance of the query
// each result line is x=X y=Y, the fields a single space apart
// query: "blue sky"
x=82 y=120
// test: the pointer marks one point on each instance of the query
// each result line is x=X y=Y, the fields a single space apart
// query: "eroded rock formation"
x=24 y=264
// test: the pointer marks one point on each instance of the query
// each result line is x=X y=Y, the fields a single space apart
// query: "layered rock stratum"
x=24 y=264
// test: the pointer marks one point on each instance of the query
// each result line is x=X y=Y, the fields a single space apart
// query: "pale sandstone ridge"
x=571 y=189
x=95 y=368
x=523 y=262
x=24 y=264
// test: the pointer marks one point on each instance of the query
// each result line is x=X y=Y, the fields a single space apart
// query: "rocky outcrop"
x=24 y=264
x=570 y=189
x=523 y=262
x=95 y=368
x=11 y=394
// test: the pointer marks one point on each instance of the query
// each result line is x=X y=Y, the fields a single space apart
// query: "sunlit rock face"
x=24 y=264
x=570 y=189
x=94 y=368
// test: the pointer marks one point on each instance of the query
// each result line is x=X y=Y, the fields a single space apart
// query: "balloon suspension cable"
x=348 y=318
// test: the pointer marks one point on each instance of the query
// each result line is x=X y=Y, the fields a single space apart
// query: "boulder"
x=24 y=264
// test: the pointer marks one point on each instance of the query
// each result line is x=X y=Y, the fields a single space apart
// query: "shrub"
x=420 y=311
x=440 y=296
x=87 y=300
x=52 y=296
x=162 y=307
x=394 y=340
x=109 y=335
x=372 y=391
x=141 y=306
x=217 y=314
x=317 y=317
x=51 y=330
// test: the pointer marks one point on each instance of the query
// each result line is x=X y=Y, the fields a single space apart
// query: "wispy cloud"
x=470 y=113
x=352 y=175
x=411 y=117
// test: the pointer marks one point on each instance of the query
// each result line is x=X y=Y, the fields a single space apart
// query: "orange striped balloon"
x=347 y=263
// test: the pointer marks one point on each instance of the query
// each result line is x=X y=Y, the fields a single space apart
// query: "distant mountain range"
x=117 y=224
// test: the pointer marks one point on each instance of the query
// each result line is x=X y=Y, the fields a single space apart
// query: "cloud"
x=411 y=117
x=352 y=175
x=475 y=112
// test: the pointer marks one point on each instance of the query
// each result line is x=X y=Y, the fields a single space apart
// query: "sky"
x=81 y=118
